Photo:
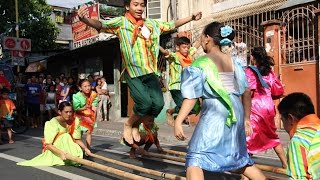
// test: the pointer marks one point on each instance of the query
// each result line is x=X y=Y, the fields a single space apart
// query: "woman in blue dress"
x=218 y=143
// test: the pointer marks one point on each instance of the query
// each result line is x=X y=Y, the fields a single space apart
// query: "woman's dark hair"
x=297 y=104
x=98 y=79
x=64 y=104
x=82 y=81
x=214 y=30
x=263 y=61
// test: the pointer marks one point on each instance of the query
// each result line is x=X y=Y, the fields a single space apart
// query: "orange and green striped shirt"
x=175 y=69
x=304 y=149
x=140 y=58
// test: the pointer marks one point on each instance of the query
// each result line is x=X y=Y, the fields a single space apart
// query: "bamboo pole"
x=141 y=169
x=271 y=169
x=163 y=156
x=262 y=167
x=169 y=151
x=105 y=168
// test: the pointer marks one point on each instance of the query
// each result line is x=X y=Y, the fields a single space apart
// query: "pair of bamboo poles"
x=149 y=171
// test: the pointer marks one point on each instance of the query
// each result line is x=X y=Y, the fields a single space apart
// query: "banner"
x=82 y=34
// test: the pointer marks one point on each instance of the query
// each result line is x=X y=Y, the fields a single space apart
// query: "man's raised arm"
x=195 y=16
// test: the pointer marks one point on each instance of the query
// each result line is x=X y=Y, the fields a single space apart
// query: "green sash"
x=210 y=69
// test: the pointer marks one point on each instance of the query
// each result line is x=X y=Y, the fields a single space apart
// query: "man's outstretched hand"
x=197 y=16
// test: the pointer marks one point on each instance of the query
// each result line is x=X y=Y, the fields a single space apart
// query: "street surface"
x=29 y=145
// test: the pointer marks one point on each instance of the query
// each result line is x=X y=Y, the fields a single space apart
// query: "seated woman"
x=61 y=137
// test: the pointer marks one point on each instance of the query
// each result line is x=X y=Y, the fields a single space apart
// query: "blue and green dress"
x=218 y=143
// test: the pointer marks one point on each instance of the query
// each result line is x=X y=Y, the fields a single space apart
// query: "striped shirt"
x=304 y=149
x=141 y=58
x=176 y=69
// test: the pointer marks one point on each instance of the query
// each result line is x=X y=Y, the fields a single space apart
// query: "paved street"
x=28 y=146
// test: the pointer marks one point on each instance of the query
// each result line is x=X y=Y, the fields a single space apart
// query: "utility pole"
x=17 y=27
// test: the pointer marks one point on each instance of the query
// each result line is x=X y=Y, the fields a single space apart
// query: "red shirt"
x=4 y=82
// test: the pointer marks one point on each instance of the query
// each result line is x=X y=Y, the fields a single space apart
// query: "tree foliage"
x=34 y=22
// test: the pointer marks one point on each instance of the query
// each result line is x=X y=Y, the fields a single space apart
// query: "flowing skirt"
x=214 y=146
x=48 y=158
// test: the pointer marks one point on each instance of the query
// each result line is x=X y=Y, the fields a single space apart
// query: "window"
x=154 y=9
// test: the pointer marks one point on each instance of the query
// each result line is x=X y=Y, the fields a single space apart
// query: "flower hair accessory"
x=225 y=42
x=226 y=31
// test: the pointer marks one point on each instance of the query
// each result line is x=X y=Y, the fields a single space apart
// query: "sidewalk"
x=166 y=136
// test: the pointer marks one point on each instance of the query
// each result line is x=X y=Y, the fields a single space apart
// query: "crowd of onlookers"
x=40 y=94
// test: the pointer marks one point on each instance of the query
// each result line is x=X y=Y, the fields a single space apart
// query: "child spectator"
x=303 y=126
x=6 y=109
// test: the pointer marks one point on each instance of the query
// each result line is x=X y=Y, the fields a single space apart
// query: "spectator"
x=4 y=83
x=73 y=87
x=62 y=76
x=239 y=50
x=47 y=84
x=65 y=93
x=6 y=109
x=92 y=82
x=33 y=91
x=303 y=126
x=51 y=101
x=59 y=88
x=49 y=77
x=104 y=100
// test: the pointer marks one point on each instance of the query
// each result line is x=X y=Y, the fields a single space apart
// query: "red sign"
x=9 y=43
x=20 y=44
x=16 y=53
x=81 y=31
x=25 y=44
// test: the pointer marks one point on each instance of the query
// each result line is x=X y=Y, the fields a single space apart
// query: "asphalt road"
x=29 y=145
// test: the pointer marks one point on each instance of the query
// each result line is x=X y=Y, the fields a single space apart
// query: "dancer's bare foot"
x=143 y=152
x=170 y=119
x=132 y=153
x=11 y=142
x=127 y=133
x=136 y=134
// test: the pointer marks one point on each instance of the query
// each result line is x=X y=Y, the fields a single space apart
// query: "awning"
x=37 y=66
x=244 y=11
x=291 y=3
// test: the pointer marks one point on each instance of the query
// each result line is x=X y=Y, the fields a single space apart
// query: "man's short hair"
x=298 y=104
x=183 y=40
x=127 y=2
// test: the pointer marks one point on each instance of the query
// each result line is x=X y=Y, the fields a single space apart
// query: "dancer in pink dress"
x=262 y=81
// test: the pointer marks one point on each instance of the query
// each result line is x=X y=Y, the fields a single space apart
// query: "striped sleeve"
x=297 y=156
x=314 y=156
x=112 y=25
x=165 y=26
x=192 y=51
